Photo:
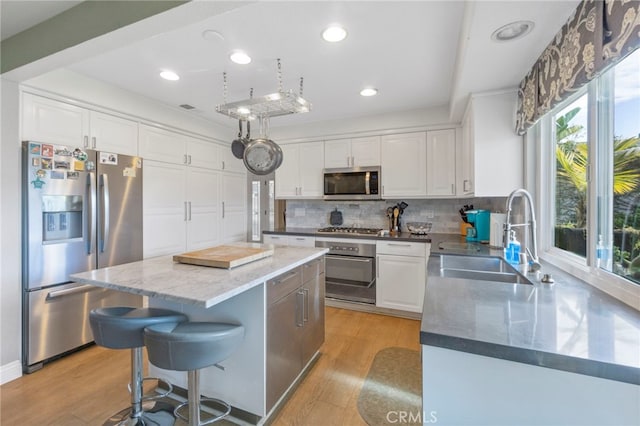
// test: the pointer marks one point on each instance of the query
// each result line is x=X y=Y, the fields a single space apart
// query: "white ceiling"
x=419 y=54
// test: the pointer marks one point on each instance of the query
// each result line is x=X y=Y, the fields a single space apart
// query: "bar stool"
x=122 y=327
x=190 y=346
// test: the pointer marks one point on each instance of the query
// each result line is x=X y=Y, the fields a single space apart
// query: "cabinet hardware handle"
x=398 y=245
x=91 y=184
x=377 y=267
x=189 y=157
x=103 y=184
x=353 y=163
x=453 y=191
x=305 y=310
x=86 y=141
x=223 y=167
x=189 y=211
x=300 y=309
x=184 y=159
x=93 y=142
x=69 y=291
x=223 y=209
x=185 y=211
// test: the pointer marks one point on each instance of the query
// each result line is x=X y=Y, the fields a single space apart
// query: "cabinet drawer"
x=283 y=284
x=280 y=240
x=401 y=248
x=296 y=240
x=312 y=269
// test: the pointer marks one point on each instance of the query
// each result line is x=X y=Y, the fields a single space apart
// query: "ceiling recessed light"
x=369 y=91
x=240 y=57
x=169 y=75
x=512 y=31
x=334 y=33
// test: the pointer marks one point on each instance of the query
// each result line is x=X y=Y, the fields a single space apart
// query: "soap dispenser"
x=512 y=251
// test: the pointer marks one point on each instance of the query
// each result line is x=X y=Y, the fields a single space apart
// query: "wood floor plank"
x=87 y=387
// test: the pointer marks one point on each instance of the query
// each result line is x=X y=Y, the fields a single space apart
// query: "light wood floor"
x=87 y=387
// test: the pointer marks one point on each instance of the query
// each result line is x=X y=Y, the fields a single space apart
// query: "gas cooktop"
x=348 y=230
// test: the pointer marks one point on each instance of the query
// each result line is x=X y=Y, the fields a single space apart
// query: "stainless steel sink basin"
x=480 y=269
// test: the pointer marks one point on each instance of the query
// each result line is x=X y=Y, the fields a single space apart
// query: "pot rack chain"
x=273 y=105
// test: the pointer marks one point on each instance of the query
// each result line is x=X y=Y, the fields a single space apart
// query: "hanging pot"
x=262 y=155
x=238 y=145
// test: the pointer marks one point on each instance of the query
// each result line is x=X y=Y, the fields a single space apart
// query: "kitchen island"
x=251 y=380
x=525 y=353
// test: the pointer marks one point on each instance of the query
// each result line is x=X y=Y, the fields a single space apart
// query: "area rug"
x=392 y=391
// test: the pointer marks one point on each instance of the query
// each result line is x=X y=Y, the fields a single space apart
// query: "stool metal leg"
x=193 y=380
x=136 y=383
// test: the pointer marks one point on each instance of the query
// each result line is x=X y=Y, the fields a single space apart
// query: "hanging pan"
x=262 y=155
x=238 y=144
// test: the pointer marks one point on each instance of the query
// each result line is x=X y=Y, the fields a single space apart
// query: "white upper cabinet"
x=300 y=175
x=404 y=165
x=441 y=163
x=172 y=147
x=229 y=162
x=50 y=121
x=357 y=152
x=497 y=149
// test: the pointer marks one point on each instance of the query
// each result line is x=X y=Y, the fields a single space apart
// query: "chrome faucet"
x=534 y=265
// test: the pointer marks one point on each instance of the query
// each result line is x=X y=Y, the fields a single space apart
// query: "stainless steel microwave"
x=352 y=183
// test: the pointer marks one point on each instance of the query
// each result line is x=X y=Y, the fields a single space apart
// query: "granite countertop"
x=569 y=326
x=161 y=277
x=313 y=232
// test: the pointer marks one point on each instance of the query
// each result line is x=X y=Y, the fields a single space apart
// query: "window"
x=594 y=203
x=572 y=155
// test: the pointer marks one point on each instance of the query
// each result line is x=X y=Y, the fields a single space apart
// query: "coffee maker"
x=480 y=225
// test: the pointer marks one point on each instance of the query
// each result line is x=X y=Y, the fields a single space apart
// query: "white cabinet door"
x=276 y=240
x=234 y=207
x=441 y=162
x=337 y=153
x=229 y=162
x=365 y=151
x=311 y=164
x=201 y=153
x=164 y=209
x=203 y=214
x=113 y=134
x=404 y=165
x=162 y=145
x=48 y=121
x=465 y=167
x=287 y=175
x=401 y=282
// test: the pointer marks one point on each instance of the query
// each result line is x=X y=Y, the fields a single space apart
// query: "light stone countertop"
x=161 y=277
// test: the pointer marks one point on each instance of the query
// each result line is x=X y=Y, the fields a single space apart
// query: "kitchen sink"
x=480 y=269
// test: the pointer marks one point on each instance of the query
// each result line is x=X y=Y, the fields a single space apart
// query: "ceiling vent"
x=187 y=107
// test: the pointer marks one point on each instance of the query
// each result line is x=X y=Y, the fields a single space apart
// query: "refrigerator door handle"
x=69 y=291
x=104 y=184
x=91 y=195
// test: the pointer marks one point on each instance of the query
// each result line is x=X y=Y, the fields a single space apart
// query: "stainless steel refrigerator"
x=81 y=210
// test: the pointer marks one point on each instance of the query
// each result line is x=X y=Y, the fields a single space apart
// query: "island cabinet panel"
x=240 y=379
x=295 y=325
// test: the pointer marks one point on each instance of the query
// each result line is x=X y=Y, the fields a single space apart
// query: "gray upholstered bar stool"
x=123 y=327
x=190 y=346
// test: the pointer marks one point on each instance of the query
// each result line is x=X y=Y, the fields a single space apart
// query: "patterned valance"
x=597 y=35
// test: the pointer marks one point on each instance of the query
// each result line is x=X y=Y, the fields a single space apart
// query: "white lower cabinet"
x=401 y=275
x=289 y=240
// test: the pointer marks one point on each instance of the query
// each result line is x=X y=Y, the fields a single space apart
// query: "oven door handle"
x=355 y=259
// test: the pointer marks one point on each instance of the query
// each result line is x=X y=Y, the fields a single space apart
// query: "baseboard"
x=9 y=372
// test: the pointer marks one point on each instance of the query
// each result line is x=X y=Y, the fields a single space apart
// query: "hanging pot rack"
x=282 y=102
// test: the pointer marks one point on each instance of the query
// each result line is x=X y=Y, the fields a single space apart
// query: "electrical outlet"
x=300 y=212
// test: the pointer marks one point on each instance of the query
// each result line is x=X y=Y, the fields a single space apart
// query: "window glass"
x=571 y=153
x=624 y=258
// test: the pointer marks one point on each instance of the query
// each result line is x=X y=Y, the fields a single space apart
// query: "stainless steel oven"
x=350 y=269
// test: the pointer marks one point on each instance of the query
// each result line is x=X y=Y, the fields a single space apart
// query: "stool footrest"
x=168 y=384
x=212 y=420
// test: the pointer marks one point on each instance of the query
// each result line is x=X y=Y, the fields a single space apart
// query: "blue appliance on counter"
x=480 y=225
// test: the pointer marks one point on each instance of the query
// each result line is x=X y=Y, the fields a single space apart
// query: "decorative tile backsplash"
x=443 y=214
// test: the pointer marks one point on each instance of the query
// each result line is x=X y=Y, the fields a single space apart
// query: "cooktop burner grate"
x=349 y=230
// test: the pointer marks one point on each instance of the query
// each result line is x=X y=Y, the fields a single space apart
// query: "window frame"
x=599 y=131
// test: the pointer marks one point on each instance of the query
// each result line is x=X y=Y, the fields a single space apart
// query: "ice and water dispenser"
x=61 y=218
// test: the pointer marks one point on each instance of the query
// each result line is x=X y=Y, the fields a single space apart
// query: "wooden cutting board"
x=223 y=256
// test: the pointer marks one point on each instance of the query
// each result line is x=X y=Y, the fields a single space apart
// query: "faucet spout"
x=535 y=265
